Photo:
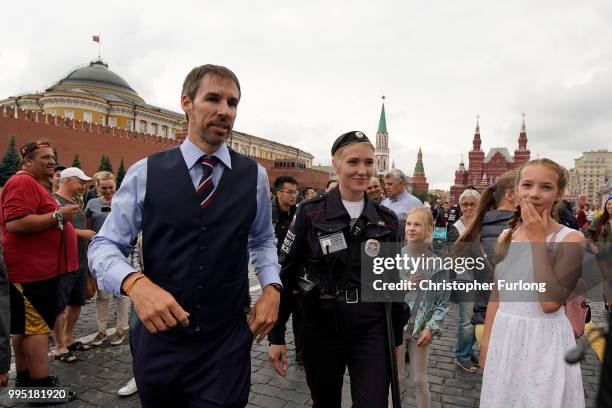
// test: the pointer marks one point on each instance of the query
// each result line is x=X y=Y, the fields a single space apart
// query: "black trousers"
x=348 y=335
x=297 y=324
x=204 y=370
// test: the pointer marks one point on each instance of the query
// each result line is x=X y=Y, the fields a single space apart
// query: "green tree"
x=120 y=173
x=76 y=162
x=105 y=164
x=423 y=196
x=10 y=162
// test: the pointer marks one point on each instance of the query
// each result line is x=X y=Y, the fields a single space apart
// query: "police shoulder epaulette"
x=312 y=205
x=314 y=200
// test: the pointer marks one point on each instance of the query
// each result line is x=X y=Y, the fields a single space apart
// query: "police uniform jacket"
x=314 y=220
x=281 y=221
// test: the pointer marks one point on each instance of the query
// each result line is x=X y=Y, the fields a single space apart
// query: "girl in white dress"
x=526 y=333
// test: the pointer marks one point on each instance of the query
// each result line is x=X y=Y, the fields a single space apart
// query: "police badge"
x=372 y=247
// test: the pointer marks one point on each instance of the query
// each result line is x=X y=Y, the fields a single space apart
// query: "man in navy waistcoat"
x=204 y=212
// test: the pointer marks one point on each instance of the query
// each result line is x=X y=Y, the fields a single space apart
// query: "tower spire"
x=382 y=122
x=522 y=154
x=418 y=168
x=419 y=181
x=476 y=141
x=381 y=153
x=522 y=140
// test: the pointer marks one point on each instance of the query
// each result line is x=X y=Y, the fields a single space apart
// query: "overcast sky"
x=312 y=70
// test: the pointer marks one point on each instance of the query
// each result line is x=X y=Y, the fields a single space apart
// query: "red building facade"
x=483 y=170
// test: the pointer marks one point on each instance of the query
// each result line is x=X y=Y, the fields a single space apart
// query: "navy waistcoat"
x=199 y=255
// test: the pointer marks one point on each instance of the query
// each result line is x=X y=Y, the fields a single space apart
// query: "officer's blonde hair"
x=338 y=153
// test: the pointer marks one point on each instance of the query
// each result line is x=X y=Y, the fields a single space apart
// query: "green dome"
x=96 y=74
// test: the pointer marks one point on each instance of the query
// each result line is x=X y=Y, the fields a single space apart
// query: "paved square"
x=100 y=372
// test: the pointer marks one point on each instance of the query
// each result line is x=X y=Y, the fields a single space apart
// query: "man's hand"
x=156 y=308
x=4 y=379
x=264 y=314
x=86 y=234
x=278 y=357
x=68 y=211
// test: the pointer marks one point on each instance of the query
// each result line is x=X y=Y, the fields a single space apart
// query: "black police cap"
x=349 y=138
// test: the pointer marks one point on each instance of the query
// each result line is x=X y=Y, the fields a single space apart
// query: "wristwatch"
x=276 y=286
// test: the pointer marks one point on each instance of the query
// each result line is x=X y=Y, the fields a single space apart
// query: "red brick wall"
x=90 y=141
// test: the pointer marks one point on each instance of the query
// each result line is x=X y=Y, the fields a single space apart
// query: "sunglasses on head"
x=32 y=146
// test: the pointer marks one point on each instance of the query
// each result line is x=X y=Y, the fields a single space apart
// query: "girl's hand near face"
x=535 y=225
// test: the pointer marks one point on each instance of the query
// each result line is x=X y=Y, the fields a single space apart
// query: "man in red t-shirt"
x=34 y=228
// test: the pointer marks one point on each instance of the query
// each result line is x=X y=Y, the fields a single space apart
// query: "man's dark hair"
x=278 y=183
x=193 y=78
x=28 y=150
x=329 y=182
x=308 y=188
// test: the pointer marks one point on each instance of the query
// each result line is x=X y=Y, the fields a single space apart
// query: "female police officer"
x=338 y=330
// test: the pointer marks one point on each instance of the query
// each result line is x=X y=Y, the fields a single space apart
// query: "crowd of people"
x=46 y=230
x=67 y=237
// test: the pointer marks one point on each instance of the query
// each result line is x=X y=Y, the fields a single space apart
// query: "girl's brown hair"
x=490 y=199
x=502 y=246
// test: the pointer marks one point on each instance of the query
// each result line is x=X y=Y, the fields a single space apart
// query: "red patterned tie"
x=206 y=187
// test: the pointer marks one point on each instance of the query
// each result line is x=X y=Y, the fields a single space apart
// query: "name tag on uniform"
x=333 y=243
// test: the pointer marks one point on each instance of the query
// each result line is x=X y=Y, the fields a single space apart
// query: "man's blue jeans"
x=466 y=336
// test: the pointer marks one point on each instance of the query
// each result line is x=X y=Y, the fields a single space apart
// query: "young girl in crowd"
x=495 y=208
x=96 y=212
x=428 y=306
x=526 y=333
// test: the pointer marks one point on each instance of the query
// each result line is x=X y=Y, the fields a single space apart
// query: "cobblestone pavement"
x=99 y=373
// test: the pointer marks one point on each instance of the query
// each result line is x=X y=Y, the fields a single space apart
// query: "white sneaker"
x=117 y=338
x=129 y=389
x=99 y=339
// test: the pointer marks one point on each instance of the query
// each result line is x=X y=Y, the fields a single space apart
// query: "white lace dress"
x=525 y=364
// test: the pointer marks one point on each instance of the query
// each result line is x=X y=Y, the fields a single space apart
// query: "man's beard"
x=213 y=139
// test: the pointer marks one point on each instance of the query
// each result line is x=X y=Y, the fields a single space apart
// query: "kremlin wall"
x=91 y=140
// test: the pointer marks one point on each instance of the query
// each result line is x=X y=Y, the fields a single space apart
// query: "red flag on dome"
x=96 y=38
